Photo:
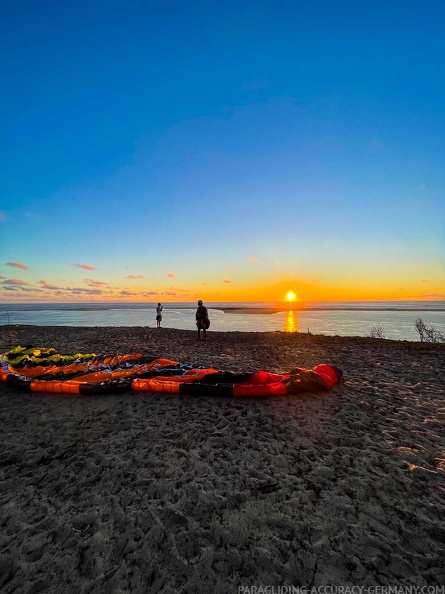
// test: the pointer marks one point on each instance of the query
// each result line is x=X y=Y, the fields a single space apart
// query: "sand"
x=157 y=493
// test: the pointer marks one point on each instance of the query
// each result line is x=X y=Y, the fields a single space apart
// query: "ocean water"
x=343 y=319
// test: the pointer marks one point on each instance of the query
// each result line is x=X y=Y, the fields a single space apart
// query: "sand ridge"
x=158 y=493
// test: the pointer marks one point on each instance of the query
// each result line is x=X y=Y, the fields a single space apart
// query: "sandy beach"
x=138 y=493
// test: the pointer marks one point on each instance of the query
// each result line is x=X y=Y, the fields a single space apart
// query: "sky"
x=228 y=151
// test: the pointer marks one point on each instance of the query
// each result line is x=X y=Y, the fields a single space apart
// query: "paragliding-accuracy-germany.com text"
x=341 y=589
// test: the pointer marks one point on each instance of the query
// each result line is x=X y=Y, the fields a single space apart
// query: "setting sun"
x=291 y=296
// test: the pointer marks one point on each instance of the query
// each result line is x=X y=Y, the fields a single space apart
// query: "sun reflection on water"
x=291 y=322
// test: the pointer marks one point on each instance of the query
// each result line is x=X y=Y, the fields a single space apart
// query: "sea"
x=395 y=320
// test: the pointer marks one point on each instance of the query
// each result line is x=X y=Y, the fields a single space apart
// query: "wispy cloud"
x=227 y=281
x=170 y=275
x=15 y=282
x=127 y=293
x=432 y=296
x=83 y=291
x=46 y=285
x=1 y=277
x=17 y=265
x=426 y=280
x=135 y=276
x=66 y=291
x=22 y=289
x=252 y=259
x=85 y=266
x=95 y=283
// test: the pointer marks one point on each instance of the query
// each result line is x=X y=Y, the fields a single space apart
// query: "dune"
x=159 y=493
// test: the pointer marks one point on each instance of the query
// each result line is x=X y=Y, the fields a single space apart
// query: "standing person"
x=202 y=320
x=159 y=314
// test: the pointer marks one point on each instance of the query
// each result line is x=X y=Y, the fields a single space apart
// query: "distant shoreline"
x=274 y=310
x=226 y=309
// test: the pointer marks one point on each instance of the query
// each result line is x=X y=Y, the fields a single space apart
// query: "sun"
x=291 y=296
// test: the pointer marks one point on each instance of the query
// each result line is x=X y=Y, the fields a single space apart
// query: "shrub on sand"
x=377 y=331
x=428 y=332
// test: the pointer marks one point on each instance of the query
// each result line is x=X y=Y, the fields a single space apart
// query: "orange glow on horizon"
x=271 y=290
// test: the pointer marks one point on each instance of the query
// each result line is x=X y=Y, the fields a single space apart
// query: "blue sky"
x=228 y=150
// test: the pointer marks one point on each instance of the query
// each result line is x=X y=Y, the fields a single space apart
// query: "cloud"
x=82 y=290
x=17 y=265
x=135 y=276
x=23 y=289
x=227 y=281
x=252 y=259
x=47 y=285
x=95 y=283
x=1 y=277
x=43 y=286
x=127 y=293
x=432 y=296
x=15 y=282
x=3 y=217
x=426 y=280
x=85 y=266
x=73 y=290
x=170 y=275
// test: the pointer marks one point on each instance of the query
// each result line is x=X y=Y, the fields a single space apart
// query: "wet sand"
x=158 y=493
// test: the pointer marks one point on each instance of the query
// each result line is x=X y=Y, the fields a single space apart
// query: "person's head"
x=159 y=304
x=200 y=302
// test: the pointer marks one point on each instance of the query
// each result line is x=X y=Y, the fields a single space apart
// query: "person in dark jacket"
x=202 y=320
x=158 y=315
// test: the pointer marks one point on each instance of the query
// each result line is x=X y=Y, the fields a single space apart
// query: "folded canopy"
x=44 y=370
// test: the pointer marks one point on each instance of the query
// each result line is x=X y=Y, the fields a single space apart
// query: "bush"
x=377 y=331
x=428 y=333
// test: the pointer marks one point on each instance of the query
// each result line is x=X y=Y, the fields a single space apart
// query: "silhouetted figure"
x=159 y=314
x=202 y=320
